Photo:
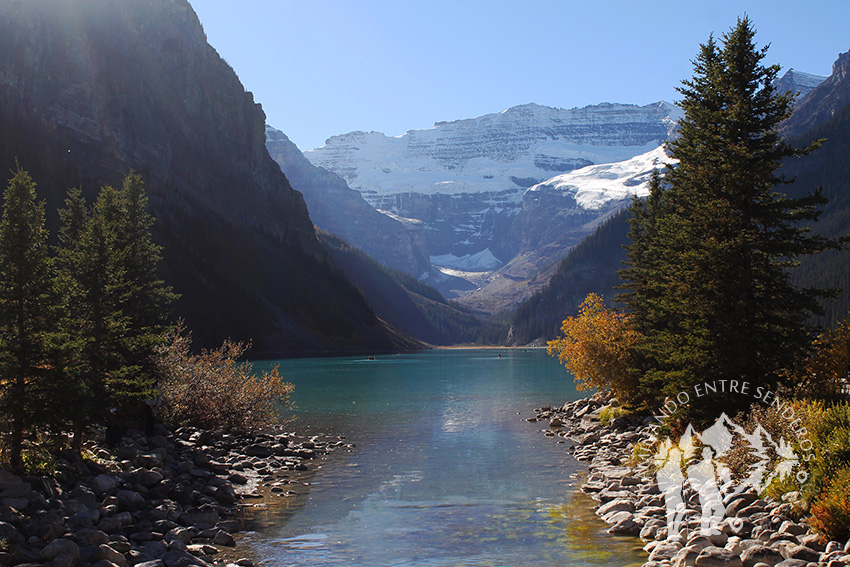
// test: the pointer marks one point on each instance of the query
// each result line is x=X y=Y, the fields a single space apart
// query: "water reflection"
x=444 y=471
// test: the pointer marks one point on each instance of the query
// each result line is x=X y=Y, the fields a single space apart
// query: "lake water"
x=444 y=472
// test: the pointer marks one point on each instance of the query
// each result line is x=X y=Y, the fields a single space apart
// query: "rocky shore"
x=172 y=499
x=755 y=532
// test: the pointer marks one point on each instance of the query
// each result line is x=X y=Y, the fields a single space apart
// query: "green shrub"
x=609 y=414
x=828 y=429
x=37 y=461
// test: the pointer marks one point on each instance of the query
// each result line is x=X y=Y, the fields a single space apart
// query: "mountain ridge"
x=91 y=89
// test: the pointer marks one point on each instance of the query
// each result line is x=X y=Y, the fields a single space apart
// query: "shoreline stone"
x=172 y=499
x=755 y=532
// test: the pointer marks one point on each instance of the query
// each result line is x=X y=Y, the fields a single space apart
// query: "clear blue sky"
x=325 y=67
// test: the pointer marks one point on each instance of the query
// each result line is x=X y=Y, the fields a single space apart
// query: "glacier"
x=497 y=200
x=594 y=186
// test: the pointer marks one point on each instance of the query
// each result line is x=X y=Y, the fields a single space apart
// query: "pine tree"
x=90 y=261
x=146 y=295
x=118 y=305
x=27 y=314
x=709 y=276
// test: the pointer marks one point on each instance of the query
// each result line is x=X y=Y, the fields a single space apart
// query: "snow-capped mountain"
x=798 y=82
x=513 y=149
x=504 y=195
x=594 y=186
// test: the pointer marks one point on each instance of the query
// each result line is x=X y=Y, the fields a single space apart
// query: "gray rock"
x=224 y=538
x=617 y=517
x=789 y=527
x=833 y=546
x=717 y=557
x=147 y=478
x=699 y=542
x=237 y=478
x=8 y=480
x=802 y=552
x=202 y=518
x=179 y=533
x=154 y=548
x=59 y=547
x=760 y=554
x=179 y=558
x=650 y=528
x=110 y=525
x=738 y=503
x=812 y=541
x=625 y=527
x=792 y=563
x=665 y=550
x=104 y=484
x=617 y=505
x=686 y=557
x=154 y=563
x=105 y=552
x=257 y=450
x=130 y=500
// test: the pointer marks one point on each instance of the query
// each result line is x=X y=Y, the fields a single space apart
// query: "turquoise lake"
x=445 y=470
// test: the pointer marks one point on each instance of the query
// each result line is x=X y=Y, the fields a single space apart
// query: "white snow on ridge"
x=483 y=261
x=512 y=149
x=595 y=185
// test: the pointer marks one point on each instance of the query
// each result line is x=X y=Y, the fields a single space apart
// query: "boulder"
x=104 y=484
x=616 y=505
x=792 y=563
x=686 y=557
x=105 y=552
x=665 y=550
x=717 y=557
x=625 y=527
x=760 y=554
x=802 y=552
x=129 y=500
x=60 y=547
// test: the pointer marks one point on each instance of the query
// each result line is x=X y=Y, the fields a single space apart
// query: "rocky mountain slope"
x=467 y=184
x=592 y=266
x=340 y=210
x=824 y=102
x=798 y=82
x=90 y=89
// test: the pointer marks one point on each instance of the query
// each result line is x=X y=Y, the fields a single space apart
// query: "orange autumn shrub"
x=596 y=348
x=212 y=390
x=831 y=510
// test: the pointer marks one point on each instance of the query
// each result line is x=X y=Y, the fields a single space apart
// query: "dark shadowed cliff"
x=90 y=89
x=339 y=209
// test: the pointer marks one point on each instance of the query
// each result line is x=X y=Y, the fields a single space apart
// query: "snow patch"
x=483 y=261
x=595 y=185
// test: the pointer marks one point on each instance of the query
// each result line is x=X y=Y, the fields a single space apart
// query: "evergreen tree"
x=117 y=303
x=95 y=280
x=146 y=296
x=712 y=248
x=27 y=314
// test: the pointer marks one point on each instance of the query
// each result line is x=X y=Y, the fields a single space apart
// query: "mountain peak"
x=841 y=65
x=824 y=100
x=798 y=82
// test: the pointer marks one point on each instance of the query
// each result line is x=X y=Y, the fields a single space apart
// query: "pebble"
x=754 y=532
x=166 y=500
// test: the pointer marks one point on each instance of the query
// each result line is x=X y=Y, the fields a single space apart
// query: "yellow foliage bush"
x=596 y=348
x=213 y=390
